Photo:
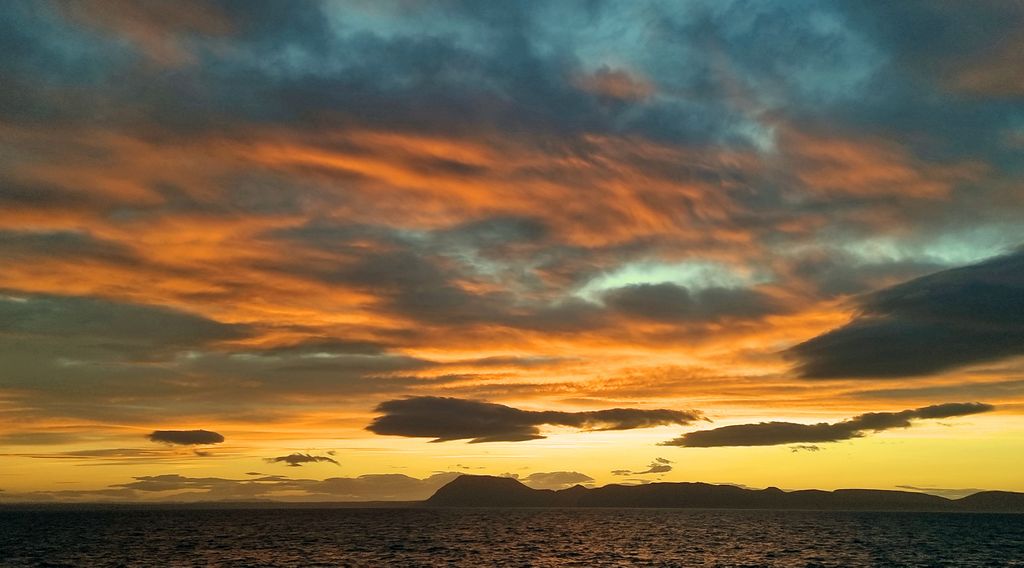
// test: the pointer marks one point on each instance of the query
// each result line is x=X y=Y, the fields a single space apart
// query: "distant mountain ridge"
x=489 y=491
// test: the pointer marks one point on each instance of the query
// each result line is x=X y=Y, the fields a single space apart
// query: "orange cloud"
x=869 y=167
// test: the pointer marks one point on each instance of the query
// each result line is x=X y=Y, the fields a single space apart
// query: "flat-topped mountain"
x=488 y=491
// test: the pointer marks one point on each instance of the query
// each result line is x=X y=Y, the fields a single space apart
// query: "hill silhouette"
x=489 y=491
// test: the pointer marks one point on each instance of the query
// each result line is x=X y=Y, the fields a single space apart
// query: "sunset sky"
x=348 y=250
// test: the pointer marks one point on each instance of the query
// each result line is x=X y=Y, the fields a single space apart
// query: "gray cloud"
x=186 y=437
x=446 y=419
x=297 y=459
x=669 y=302
x=778 y=433
x=928 y=325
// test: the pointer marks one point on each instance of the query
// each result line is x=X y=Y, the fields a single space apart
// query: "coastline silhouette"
x=490 y=491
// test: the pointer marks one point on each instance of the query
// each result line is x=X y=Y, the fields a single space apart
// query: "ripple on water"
x=507 y=537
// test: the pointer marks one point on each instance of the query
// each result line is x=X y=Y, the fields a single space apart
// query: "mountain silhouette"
x=489 y=491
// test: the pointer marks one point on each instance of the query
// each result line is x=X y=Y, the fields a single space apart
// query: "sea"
x=306 y=537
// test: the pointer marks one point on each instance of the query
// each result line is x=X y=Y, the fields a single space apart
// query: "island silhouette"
x=491 y=491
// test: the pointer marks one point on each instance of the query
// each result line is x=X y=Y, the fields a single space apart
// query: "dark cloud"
x=446 y=419
x=928 y=325
x=659 y=465
x=186 y=437
x=669 y=302
x=779 y=433
x=297 y=460
x=804 y=448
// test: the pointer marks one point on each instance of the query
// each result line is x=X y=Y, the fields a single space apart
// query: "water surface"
x=506 y=537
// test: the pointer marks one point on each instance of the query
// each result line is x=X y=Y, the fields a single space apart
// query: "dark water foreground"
x=506 y=537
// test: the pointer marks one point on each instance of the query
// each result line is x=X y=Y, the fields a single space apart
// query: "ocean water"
x=505 y=537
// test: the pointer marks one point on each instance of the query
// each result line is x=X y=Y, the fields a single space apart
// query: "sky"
x=349 y=250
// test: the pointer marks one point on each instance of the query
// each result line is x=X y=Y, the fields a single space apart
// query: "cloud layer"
x=778 y=433
x=446 y=419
